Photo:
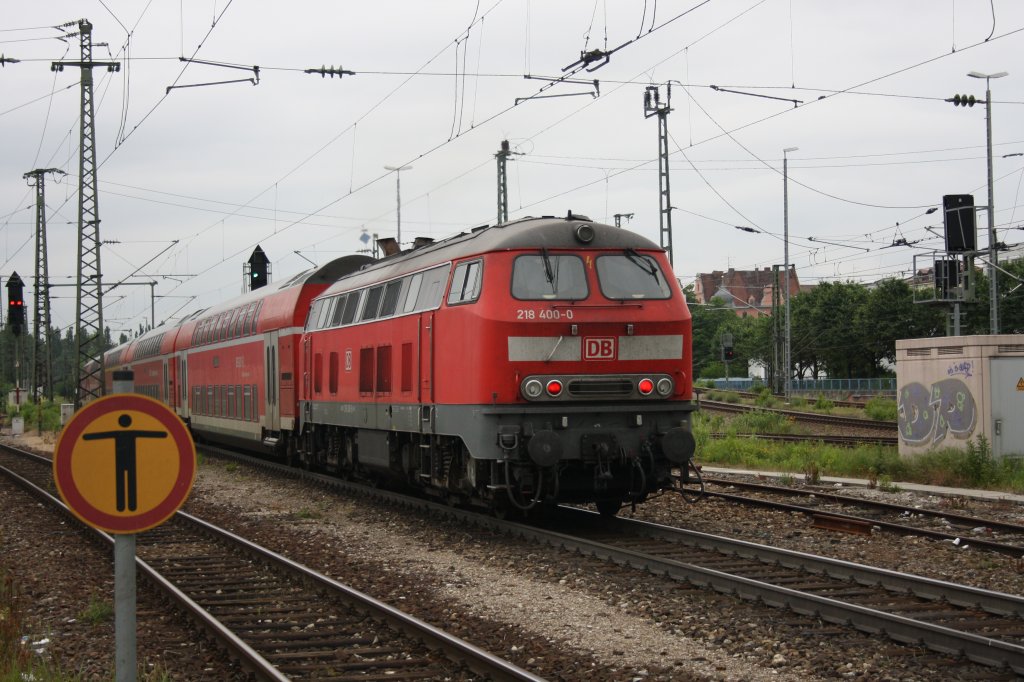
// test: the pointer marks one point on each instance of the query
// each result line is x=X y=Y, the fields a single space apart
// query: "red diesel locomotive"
x=538 y=361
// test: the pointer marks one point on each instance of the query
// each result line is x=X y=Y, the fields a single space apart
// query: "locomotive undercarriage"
x=535 y=465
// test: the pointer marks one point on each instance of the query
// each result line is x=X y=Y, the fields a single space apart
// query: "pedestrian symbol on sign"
x=125 y=464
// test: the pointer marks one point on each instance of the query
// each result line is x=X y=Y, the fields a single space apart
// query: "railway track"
x=750 y=395
x=843 y=441
x=986 y=627
x=896 y=518
x=983 y=626
x=279 y=619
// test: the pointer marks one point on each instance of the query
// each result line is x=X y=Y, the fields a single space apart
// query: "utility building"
x=952 y=390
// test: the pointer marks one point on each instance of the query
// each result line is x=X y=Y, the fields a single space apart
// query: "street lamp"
x=398 y=195
x=785 y=237
x=993 y=252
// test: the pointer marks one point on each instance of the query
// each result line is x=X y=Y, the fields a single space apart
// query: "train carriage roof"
x=281 y=298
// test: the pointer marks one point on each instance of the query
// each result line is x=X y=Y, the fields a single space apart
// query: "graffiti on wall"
x=926 y=415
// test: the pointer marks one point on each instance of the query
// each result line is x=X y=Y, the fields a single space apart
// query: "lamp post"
x=788 y=360
x=398 y=196
x=993 y=252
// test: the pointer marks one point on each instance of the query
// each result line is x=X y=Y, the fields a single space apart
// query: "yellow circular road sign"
x=124 y=463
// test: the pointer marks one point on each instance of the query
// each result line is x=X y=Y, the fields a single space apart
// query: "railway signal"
x=727 y=349
x=259 y=269
x=15 y=303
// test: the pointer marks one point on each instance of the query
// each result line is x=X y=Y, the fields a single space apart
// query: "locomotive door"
x=426 y=367
x=271 y=406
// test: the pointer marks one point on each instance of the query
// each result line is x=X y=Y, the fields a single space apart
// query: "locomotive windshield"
x=631 y=276
x=548 y=277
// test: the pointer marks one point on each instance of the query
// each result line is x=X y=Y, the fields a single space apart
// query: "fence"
x=883 y=386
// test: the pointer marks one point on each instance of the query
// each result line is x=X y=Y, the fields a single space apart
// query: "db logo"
x=599 y=348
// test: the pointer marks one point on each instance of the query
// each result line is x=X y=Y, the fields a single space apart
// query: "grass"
x=971 y=468
x=98 y=611
x=17 y=660
x=19 y=663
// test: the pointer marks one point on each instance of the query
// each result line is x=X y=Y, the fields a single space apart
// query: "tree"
x=824 y=333
x=709 y=321
x=889 y=312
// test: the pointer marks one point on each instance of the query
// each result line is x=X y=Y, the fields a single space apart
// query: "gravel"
x=560 y=615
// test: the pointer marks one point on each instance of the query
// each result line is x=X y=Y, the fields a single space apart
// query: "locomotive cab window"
x=549 y=277
x=465 y=283
x=631 y=276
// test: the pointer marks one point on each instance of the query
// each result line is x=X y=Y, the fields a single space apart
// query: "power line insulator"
x=964 y=100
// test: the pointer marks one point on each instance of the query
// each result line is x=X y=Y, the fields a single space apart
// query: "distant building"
x=747 y=292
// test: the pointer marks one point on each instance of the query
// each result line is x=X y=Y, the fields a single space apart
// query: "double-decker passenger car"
x=543 y=360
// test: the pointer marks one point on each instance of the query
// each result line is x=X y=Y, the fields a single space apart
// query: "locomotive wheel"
x=608 y=508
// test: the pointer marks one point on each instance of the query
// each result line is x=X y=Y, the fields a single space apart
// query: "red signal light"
x=554 y=387
x=645 y=386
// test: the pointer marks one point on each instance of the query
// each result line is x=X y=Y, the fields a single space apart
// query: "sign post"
x=123 y=464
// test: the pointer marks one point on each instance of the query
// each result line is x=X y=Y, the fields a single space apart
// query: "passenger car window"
x=631 y=276
x=549 y=277
x=465 y=283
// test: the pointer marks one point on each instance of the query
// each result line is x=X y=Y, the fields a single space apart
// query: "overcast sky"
x=193 y=178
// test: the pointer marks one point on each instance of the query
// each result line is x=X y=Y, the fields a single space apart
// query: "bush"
x=824 y=404
x=759 y=422
x=881 y=409
x=30 y=411
x=979 y=467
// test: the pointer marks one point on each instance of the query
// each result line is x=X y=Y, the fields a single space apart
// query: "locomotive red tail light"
x=645 y=386
x=554 y=387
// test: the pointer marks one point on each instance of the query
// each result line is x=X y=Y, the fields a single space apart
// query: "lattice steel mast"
x=653 y=106
x=42 y=357
x=89 y=299
x=502 y=157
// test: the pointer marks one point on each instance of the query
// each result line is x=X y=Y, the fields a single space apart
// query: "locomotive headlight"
x=533 y=388
x=665 y=386
x=554 y=388
x=645 y=386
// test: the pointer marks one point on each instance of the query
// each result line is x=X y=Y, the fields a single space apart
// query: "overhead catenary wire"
x=697 y=162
